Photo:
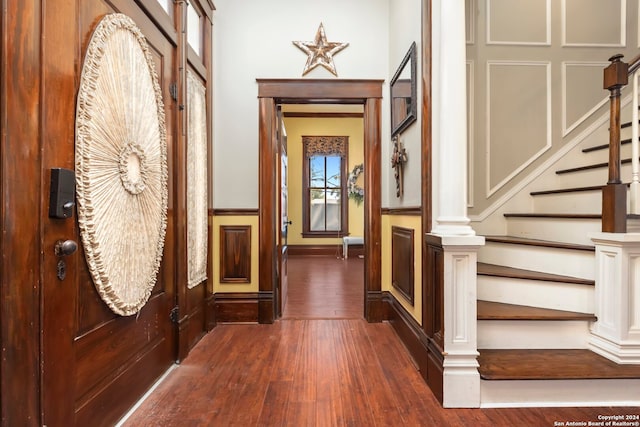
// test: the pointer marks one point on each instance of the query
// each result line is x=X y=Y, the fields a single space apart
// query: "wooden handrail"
x=614 y=194
x=634 y=64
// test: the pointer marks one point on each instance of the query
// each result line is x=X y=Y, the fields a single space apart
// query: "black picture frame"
x=403 y=93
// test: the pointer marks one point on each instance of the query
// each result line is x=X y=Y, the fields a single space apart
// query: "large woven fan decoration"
x=121 y=165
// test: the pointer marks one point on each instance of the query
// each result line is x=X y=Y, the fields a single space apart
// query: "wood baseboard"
x=313 y=250
x=236 y=307
x=427 y=356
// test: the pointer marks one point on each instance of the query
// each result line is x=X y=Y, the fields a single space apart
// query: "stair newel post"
x=614 y=194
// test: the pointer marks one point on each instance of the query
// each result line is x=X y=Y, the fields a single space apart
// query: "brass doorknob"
x=65 y=247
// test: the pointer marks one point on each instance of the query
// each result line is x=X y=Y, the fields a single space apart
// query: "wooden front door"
x=97 y=364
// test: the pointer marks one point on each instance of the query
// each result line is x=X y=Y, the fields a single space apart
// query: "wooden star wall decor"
x=320 y=52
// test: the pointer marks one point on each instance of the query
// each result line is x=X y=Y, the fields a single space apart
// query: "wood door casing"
x=283 y=209
x=276 y=91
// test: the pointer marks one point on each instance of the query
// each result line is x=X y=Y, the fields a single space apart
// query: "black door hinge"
x=173 y=315
x=173 y=91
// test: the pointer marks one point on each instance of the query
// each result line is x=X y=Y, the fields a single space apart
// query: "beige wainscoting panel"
x=594 y=23
x=582 y=92
x=519 y=22
x=518 y=117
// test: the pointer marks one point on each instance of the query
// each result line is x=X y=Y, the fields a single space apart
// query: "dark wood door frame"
x=272 y=92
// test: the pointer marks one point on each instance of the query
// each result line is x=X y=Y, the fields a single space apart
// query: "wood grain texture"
x=236 y=307
x=373 y=209
x=235 y=254
x=493 y=270
x=402 y=261
x=20 y=194
x=550 y=364
x=499 y=311
x=325 y=288
x=516 y=240
x=316 y=373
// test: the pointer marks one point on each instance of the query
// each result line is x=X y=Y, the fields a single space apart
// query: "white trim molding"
x=548 y=143
x=616 y=334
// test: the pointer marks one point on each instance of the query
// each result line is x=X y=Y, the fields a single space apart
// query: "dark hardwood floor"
x=325 y=287
x=318 y=366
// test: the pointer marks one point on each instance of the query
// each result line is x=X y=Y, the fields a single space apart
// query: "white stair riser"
x=583 y=202
x=588 y=178
x=536 y=293
x=549 y=393
x=539 y=334
x=551 y=260
x=601 y=156
x=555 y=229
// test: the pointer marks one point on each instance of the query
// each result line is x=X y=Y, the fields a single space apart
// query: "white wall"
x=253 y=39
x=404 y=28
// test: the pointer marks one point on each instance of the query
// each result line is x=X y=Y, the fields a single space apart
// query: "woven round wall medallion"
x=121 y=165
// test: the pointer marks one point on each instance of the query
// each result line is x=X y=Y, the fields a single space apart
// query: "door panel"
x=108 y=361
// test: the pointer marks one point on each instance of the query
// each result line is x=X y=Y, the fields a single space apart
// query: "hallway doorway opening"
x=271 y=94
x=321 y=195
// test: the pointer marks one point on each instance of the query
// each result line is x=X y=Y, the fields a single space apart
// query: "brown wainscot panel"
x=235 y=254
x=402 y=261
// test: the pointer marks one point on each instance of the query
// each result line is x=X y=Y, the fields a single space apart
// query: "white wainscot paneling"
x=518 y=118
x=594 y=23
x=519 y=22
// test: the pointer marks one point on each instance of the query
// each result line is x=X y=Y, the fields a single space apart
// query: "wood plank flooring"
x=325 y=287
x=517 y=364
x=308 y=371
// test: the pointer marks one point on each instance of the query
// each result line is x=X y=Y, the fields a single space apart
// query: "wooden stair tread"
x=551 y=365
x=488 y=310
x=552 y=215
x=590 y=167
x=537 y=242
x=493 y=270
x=567 y=190
x=605 y=146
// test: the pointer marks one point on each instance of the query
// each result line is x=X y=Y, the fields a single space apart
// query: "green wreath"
x=356 y=193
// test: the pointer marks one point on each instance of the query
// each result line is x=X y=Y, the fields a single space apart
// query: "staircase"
x=536 y=292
